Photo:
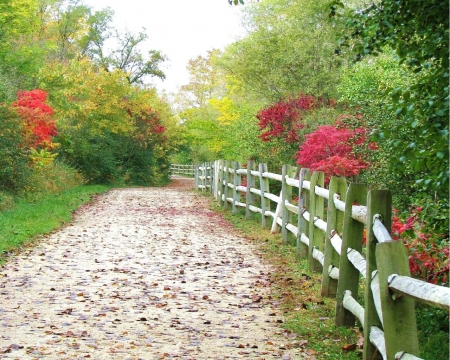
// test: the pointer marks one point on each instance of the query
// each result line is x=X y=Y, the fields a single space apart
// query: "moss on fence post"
x=352 y=237
x=335 y=222
x=316 y=210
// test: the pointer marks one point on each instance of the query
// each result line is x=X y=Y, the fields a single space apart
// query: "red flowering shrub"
x=283 y=119
x=38 y=125
x=429 y=253
x=333 y=150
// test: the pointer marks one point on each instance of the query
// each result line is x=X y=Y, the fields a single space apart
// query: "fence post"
x=264 y=187
x=286 y=195
x=303 y=202
x=196 y=175
x=221 y=179
x=399 y=317
x=335 y=220
x=216 y=179
x=316 y=211
x=236 y=183
x=207 y=176
x=352 y=237
x=379 y=204
x=227 y=180
x=249 y=196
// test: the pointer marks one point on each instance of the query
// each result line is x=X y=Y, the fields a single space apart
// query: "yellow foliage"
x=227 y=109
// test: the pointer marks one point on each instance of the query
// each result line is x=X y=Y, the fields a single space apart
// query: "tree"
x=289 y=49
x=128 y=58
x=419 y=33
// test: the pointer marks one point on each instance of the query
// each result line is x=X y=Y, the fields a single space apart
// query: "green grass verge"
x=28 y=219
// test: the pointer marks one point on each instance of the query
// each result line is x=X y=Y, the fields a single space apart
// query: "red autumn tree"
x=333 y=149
x=284 y=118
x=38 y=124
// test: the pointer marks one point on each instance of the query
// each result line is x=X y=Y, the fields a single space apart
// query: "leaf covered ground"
x=142 y=273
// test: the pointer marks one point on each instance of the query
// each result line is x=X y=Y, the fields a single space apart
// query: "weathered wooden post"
x=316 y=211
x=398 y=312
x=216 y=179
x=236 y=183
x=286 y=195
x=264 y=187
x=303 y=203
x=352 y=237
x=335 y=221
x=249 y=196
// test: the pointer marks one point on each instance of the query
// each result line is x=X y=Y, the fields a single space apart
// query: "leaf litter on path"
x=142 y=273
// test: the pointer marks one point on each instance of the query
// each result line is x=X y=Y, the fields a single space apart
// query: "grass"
x=28 y=219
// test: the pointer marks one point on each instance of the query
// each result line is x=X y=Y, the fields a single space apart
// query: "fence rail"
x=182 y=169
x=329 y=227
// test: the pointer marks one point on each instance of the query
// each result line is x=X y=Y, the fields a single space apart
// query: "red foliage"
x=38 y=125
x=331 y=149
x=283 y=119
x=429 y=258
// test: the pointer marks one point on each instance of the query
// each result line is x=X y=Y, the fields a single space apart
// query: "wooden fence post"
x=398 y=315
x=227 y=179
x=264 y=187
x=236 y=183
x=352 y=237
x=222 y=179
x=196 y=175
x=379 y=204
x=303 y=203
x=249 y=196
x=335 y=220
x=316 y=210
x=207 y=176
x=286 y=195
x=216 y=179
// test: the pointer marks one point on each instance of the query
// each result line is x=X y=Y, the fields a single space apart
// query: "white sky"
x=180 y=29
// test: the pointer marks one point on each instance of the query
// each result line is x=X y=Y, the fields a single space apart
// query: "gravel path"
x=141 y=273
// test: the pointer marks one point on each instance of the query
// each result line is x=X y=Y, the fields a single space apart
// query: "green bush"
x=14 y=170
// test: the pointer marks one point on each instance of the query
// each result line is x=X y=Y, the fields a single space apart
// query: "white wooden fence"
x=181 y=169
x=333 y=242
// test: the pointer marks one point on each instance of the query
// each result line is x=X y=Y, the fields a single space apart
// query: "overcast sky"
x=180 y=29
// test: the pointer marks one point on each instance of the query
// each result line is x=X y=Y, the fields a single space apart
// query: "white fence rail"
x=332 y=241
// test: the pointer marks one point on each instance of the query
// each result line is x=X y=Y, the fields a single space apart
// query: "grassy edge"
x=308 y=317
x=28 y=220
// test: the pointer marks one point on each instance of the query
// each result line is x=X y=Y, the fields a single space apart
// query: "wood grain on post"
x=196 y=175
x=378 y=202
x=335 y=222
x=352 y=237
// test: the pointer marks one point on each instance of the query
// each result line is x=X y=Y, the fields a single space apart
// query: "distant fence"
x=182 y=169
x=328 y=226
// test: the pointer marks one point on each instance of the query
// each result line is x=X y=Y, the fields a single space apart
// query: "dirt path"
x=143 y=273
